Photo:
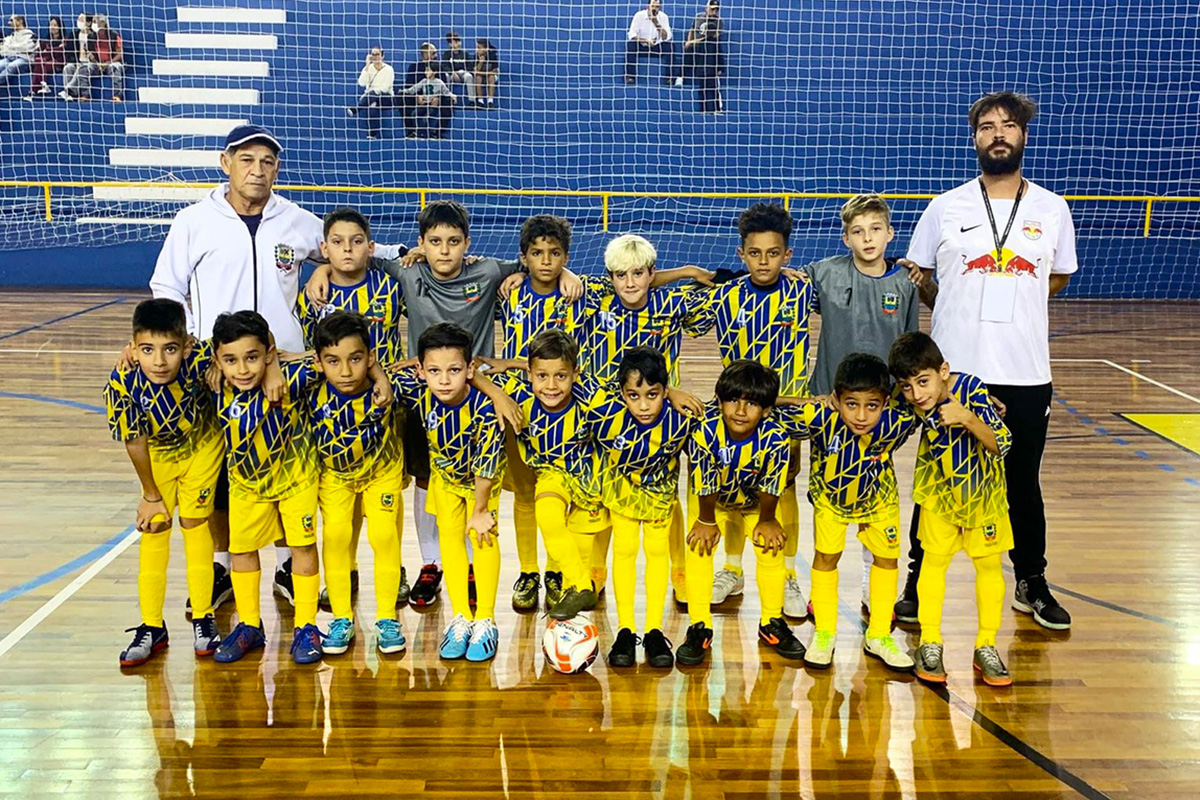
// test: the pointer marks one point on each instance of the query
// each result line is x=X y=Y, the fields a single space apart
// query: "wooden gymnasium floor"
x=1110 y=709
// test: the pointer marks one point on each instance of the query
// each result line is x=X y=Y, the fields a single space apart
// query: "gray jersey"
x=859 y=313
x=468 y=300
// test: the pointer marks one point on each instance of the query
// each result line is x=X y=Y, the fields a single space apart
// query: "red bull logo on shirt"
x=1010 y=264
x=1032 y=229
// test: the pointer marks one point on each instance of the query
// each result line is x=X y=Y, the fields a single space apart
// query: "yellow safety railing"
x=605 y=196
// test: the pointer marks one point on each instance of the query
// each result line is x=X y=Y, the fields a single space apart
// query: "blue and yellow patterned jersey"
x=466 y=441
x=356 y=440
x=526 y=313
x=609 y=328
x=175 y=417
x=377 y=297
x=769 y=326
x=956 y=477
x=639 y=464
x=850 y=475
x=269 y=447
x=560 y=441
x=737 y=470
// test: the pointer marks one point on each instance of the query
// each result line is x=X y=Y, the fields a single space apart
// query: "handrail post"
x=604 y=212
x=46 y=193
x=1146 y=228
x=421 y=194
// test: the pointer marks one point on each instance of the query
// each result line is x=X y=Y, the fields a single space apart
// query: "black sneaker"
x=591 y=597
x=553 y=581
x=1033 y=597
x=472 y=598
x=906 y=604
x=778 y=634
x=573 y=601
x=222 y=589
x=658 y=650
x=404 y=590
x=624 y=649
x=283 y=582
x=695 y=647
x=525 y=591
x=425 y=590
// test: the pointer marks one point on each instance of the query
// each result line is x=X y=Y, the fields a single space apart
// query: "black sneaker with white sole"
x=906 y=605
x=222 y=589
x=283 y=583
x=1032 y=596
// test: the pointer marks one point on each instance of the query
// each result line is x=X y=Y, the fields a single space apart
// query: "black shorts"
x=416 y=447
x=221 y=495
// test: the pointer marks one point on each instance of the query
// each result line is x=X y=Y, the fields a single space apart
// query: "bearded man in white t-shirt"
x=1000 y=246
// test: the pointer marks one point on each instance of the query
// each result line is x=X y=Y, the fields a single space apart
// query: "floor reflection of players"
x=848 y=754
x=174 y=754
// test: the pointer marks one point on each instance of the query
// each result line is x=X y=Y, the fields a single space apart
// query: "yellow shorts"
x=381 y=495
x=729 y=521
x=452 y=509
x=518 y=477
x=581 y=518
x=881 y=536
x=944 y=538
x=189 y=484
x=254 y=524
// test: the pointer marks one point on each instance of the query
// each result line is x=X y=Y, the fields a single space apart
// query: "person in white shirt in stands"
x=377 y=80
x=1000 y=246
x=16 y=50
x=650 y=35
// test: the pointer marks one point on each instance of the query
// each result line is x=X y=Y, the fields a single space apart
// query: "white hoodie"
x=19 y=43
x=210 y=255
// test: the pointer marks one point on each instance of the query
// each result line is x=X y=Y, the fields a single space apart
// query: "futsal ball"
x=571 y=645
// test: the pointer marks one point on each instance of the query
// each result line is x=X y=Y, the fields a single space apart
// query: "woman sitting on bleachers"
x=51 y=58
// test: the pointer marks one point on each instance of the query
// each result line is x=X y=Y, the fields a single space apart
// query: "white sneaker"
x=726 y=584
x=794 y=604
x=886 y=650
x=65 y=95
x=819 y=653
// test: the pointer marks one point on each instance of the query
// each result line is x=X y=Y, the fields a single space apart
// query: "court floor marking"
x=73 y=314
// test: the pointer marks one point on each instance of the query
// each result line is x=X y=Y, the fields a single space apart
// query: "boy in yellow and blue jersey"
x=764 y=317
x=738 y=458
x=852 y=483
x=362 y=466
x=639 y=436
x=160 y=411
x=466 y=454
x=960 y=486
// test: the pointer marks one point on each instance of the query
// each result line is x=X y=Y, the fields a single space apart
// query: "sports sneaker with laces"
x=991 y=667
x=456 y=639
x=425 y=590
x=146 y=642
x=906 y=604
x=778 y=634
x=929 y=666
x=695 y=646
x=403 y=592
x=206 y=638
x=306 y=645
x=323 y=598
x=525 y=591
x=485 y=638
x=341 y=634
x=389 y=636
x=572 y=603
x=819 y=653
x=726 y=584
x=222 y=589
x=886 y=650
x=553 y=581
x=1032 y=596
x=283 y=583
x=240 y=641
x=794 y=604
x=624 y=649
x=658 y=649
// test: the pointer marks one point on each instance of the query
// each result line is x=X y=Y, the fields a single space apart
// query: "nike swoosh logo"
x=973 y=227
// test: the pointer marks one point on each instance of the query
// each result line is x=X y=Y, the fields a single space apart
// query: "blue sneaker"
x=389 y=636
x=458 y=635
x=341 y=634
x=306 y=645
x=485 y=637
x=241 y=640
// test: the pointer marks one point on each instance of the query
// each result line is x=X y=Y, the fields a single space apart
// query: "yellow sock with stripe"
x=989 y=598
x=699 y=587
x=385 y=545
x=825 y=599
x=771 y=576
x=337 y=536
x=487 y=577
x=154 y=553
x=245 y=596
x=657 y=545
x=561 y=551
x=198 y=550
x=931 y=595
x=308 y=590
x=883 y=598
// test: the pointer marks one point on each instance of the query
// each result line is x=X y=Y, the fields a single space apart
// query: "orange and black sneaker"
x=778 y=634
x=695 y=647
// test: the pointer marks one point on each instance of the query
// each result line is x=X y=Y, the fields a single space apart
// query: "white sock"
x=283 y=553
x=733 y=561
x=427 y=532
x=867 y=561
x=222 y=557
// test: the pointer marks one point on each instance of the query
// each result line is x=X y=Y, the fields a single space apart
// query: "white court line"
x=1151 y=381
x=81 y=580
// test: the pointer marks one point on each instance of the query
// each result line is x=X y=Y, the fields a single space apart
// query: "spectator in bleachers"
x=704 y=57
x=456 y=66
x=427 y=58
x=487 y=73
x=650 y=35
x=16 y=50
x=104 y=55
x=432 y=102
x=377 y=80
x=51 y=58
x=75 y=73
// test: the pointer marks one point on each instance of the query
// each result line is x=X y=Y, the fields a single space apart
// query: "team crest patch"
x=787 y=313
x=1032 y=229
x=307 y=523
x=890 y=534
x=387 y=500
x=472 y=292
x=285 y=258
x=890 y=304
x=989 y=533
x=204 y=495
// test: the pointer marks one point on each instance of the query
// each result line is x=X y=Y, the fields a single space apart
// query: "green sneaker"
x=991 y=667
x=819 y=653
x=525 y=591
x=886 y=650
x=553 y=581
x=404 y=590
x=929 y=663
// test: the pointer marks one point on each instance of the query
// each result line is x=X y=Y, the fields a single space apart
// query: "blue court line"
x=73 y=314
x=65 y=569
x=58 y=401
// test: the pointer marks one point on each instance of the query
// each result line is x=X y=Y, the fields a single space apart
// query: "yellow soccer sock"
x=560 y=548
x=770 y=579
x=525 y=524
x=198 y=550
x=599 y=559
x=656 y=543
x=931 y=594
x=883 y=598
x=989 y=598
x=153 y=556
x=355 y=535
x=385 y=544
x=245 y=596
x=336 y=559
x=677 y=548
x=626 y=536
x=487 y=577
x=453 y=538
x=735 y=543
x=308 y=590
x=788 y=514
x=825 y=599
x=583 y=546
x=700 y=587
